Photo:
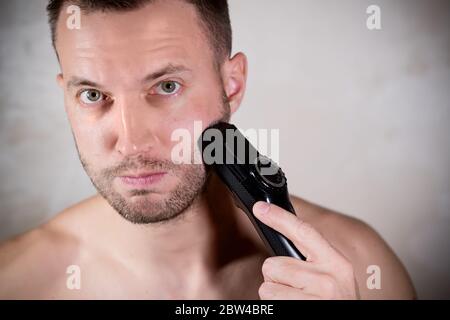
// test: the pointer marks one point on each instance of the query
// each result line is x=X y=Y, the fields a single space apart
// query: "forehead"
x=156 y=34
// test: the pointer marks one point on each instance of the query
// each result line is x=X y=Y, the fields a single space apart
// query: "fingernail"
x=261 y=207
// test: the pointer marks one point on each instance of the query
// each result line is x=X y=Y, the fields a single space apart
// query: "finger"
x=276 y=291
x=307 y=239
x=288 y=265
x=296 y=273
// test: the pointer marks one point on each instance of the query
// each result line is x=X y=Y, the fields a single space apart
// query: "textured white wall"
x=363 y=117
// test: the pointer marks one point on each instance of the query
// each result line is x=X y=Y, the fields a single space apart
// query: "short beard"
x=143 y=210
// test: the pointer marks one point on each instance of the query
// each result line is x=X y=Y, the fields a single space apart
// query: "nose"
x=135 y=122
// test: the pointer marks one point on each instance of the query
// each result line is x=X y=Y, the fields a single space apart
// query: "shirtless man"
x=131 y=75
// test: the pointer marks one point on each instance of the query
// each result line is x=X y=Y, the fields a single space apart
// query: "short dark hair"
x=214 y=18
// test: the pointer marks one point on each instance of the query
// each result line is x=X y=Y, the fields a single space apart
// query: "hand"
x=326 y=274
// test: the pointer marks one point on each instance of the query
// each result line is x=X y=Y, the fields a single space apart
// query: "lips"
x=142 y=180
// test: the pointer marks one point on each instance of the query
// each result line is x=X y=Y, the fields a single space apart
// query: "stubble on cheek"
x=142 y=206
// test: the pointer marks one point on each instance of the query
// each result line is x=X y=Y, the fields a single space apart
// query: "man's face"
x=130 y=79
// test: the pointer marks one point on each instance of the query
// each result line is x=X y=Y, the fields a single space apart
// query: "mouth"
x=142 y=180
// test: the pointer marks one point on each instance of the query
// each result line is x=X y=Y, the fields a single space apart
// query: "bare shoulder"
x=33 y=263
x=363 y=247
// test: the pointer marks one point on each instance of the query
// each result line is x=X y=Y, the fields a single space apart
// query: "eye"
x=90 y=96
x=167 y=88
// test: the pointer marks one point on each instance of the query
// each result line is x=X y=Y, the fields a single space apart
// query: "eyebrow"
x=166 y=70
x=78 y=82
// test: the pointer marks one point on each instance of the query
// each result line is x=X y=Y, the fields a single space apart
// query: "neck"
x=202 y=239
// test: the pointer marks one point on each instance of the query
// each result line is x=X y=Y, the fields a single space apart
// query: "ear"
x=60 y=80
x=234 y=77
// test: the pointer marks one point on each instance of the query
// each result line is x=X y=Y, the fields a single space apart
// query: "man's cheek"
x=186 y=118
x=91 y=143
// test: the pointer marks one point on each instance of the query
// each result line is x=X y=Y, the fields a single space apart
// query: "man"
x=132 y=74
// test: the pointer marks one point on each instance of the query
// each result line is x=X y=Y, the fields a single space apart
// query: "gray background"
x=363 y=117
